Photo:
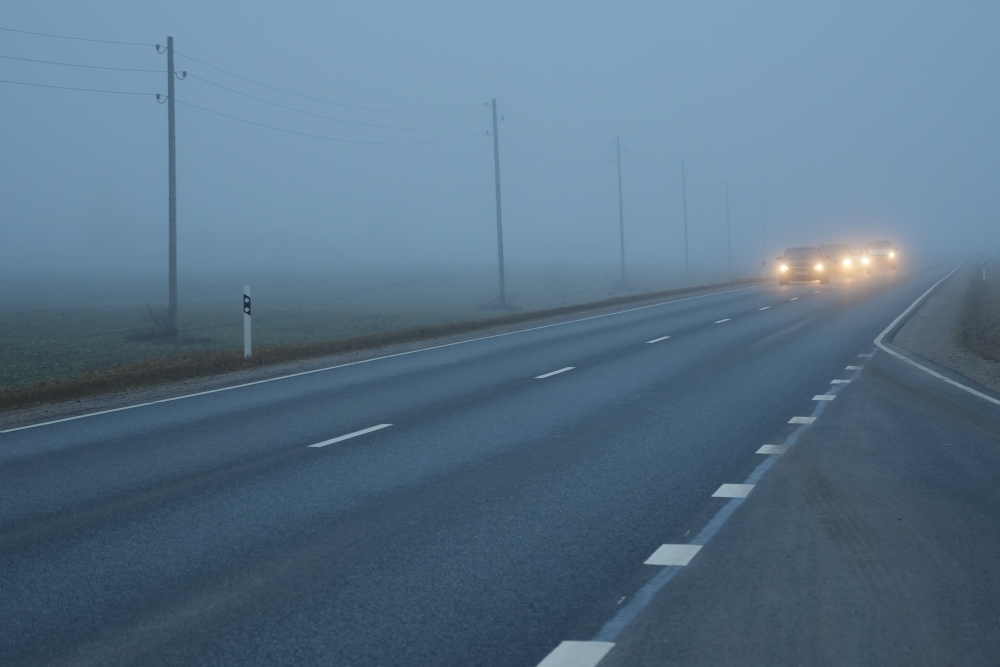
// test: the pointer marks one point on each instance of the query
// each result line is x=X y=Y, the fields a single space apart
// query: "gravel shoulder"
x=933 y=331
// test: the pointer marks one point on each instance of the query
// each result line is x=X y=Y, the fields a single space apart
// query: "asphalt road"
x=497 y=515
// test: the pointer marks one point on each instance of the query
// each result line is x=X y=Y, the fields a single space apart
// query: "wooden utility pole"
x=729 y=233
x=172 y=187
x=687 y=261
x=621 y=207
x=496 y=168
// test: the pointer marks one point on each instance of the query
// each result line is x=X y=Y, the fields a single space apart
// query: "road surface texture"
x=480 y=503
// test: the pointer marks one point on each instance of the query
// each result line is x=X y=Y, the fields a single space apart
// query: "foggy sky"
x=836 y=122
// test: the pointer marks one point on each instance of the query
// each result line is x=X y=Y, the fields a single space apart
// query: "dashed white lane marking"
x=867 y=356
x=794 y=298
x=733 y=491
x=853 y=368
x=721 y=321
x=801 y=420
x=764 y=308
x=819 y=291
x=834 y=286
x=824 y=397
x=577 y=654
x=657 y=340
x=548 y=375
x=772 y=449
x=674 y=554
x=840 y=381
x=351 y=435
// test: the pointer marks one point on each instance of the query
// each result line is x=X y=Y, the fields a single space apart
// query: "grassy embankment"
x=61 y=353
x=979 y=317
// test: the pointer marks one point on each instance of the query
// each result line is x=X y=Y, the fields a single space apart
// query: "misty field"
x=58 y=328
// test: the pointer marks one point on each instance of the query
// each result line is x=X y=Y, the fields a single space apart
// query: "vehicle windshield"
x=835 y=250
x=803 y=253
x=880 y=244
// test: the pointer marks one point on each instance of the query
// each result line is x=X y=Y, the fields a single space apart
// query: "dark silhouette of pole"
x=729 y=233
x=496 y=167
x=687 y=262
x=172 y=188
x=763 y=232
x=621 y=206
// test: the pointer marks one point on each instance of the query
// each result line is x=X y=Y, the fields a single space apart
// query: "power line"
x=51 y=62
x=339 y=120
x=319 y=136
x=320 y=99
x=88 y=90
x=78 y=39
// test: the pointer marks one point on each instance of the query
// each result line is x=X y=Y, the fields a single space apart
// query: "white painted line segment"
x=867 y=356
x=548 y=375
x=853 y=368
x=380 y=358
x=801 y=420
x=351 y=435
x=733 y=491
x=721 y=321
x=764 y=308
x=878 y=343
x=794 y=298
x=819 y=291
x=772 y=449
x=840 y=381
x=673 y=554
x=657 y=340
x=577 y=654
x=824 y=397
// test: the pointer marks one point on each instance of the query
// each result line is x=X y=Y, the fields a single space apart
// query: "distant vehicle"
x=883 y=253
x=838 y=259
x=802 y=264
x=861 y=260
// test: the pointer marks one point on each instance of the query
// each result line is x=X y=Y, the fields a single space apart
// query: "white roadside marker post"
x=984 y=268
x=246 y=321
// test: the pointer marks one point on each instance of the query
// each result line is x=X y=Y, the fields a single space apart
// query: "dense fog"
x=832 y=123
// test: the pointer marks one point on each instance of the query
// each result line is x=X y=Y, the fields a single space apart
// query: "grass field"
x=979 y=317
x=57 y=328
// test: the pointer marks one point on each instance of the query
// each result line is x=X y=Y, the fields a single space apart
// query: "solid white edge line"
x=878 y=343
x=548 y=375
x=365 y=361
x=657 y=340
x=341 y=438
x=721 y=321
x=577 y=654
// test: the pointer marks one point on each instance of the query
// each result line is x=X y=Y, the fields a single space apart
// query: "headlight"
x=819 y=267
x=865 y=260
x=892 y=254
x=784 y=267
x=847 y=262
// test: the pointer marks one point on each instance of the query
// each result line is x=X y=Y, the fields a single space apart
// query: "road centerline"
x=657 y=340
x=348 y=436
x=548 y=375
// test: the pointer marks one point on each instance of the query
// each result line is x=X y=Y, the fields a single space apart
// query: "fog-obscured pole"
x=621 y=206
x=172 y=187
x=496 y=168
x=687 y=263
x=729 y=233
x=763 y=233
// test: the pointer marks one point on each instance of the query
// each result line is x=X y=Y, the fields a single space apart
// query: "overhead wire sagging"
x=336 y=139
x=320 y=99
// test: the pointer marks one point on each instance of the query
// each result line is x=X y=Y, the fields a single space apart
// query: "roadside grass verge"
x=978 y=328
x=207 y=362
